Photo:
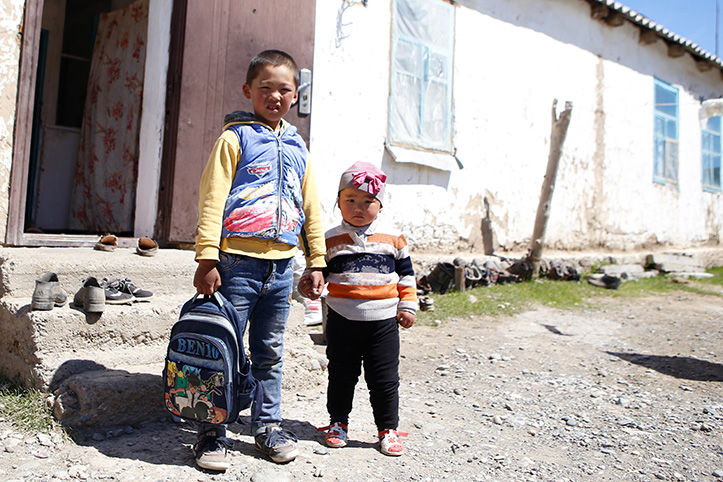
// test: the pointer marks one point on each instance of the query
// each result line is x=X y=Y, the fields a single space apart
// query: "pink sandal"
x=390 y=442
x=335 y=435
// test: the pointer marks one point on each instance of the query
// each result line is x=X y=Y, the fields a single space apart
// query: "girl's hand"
x=405 y=319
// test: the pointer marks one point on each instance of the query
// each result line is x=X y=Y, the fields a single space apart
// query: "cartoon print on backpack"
x=192 y=397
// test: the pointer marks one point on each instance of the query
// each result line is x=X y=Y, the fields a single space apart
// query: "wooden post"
x=557 y=138
x=459 y=278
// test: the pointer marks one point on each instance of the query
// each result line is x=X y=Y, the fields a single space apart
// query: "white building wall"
x=512 y=59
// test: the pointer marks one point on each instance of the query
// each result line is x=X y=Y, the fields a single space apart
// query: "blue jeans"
x=260 y=290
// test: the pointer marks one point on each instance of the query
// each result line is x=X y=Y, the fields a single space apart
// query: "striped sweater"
x=369 y=272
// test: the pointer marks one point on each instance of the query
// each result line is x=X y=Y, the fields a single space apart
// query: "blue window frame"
x=711 y=140
x=420 y=101
x=665 y=170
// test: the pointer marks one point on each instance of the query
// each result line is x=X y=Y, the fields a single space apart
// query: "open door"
x=221 y=37
x=64 y=43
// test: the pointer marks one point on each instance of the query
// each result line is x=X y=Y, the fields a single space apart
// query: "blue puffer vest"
x=265 y=201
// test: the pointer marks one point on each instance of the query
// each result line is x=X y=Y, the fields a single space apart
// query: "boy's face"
x=272 y=94
x=358 y=208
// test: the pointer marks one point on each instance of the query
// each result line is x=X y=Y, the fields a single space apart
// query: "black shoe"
x=126 y=286
x=604 y=281
x=112 y=295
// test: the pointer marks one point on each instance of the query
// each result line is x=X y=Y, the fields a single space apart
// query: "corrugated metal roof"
x=641 y=20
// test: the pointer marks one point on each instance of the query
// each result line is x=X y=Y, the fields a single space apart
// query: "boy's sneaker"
x=279 y=444
x=336 y=435
x=211 y=452
x=112 y=295
x=390 y=443
x=126 y=286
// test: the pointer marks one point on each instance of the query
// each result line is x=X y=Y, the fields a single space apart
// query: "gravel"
x=629 y=391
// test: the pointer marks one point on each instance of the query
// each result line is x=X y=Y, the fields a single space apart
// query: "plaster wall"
x=11 y=14
x=512 y=59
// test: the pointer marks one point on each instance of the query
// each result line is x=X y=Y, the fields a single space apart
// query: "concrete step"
x=675 y=263
x=102 y=369
x=37 y=343
x=123 y=386
x=170 y=271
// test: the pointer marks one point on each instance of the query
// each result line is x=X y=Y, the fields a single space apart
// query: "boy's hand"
x=206 y=280
x=405 y=318
x=313 y=285
x=305 y=286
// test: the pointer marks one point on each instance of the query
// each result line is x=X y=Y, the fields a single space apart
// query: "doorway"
x=68 y=124
x=57 y=61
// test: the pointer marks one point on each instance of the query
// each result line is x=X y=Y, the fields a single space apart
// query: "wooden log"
x=557 y=138
x=459 y=278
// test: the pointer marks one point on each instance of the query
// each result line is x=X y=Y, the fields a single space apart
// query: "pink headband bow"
x=375 y=180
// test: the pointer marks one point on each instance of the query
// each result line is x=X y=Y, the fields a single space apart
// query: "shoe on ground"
x=312 y=312
x=47 y=293
x=336 y=435
x=107 y=242
x=91 y=297
x=126 y=286
x=113 y=296
x=390 y=443
x=147 y=247
x=426 y=303
x=279 y=444
x=211 y=452
x=604 y=281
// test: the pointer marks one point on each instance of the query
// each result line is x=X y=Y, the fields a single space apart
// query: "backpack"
x=207 y=374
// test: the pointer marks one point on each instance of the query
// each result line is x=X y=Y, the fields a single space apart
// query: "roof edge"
x=615 y=14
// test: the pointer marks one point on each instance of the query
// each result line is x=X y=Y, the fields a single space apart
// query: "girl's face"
x=358 y=208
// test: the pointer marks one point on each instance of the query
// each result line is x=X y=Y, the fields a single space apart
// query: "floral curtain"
x=104 y=192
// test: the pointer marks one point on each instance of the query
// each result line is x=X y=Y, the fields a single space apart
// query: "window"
x=712 y=154
x=420 y=102
x=666 y=133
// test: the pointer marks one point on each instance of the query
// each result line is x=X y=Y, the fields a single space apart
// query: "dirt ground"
x=631 y=390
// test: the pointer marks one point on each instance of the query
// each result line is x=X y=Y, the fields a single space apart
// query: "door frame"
x=29 y=53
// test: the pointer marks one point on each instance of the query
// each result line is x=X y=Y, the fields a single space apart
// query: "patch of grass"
x=25 y=408
x=510 y=299
x=717 y=278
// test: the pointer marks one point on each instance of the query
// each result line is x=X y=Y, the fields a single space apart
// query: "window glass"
x=711 y=154
x=665 y=168
x=420 y=101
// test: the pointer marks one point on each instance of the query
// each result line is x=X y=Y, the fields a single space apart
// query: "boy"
x=258 y=199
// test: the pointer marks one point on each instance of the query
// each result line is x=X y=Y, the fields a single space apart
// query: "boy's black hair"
x=274 y=58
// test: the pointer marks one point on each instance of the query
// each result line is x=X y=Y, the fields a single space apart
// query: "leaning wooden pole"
x=557 y=138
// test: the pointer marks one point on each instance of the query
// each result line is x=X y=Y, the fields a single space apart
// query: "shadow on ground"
x=687 y=368
x=165 y=442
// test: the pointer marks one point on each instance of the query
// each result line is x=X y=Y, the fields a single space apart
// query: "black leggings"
x=376 y=345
